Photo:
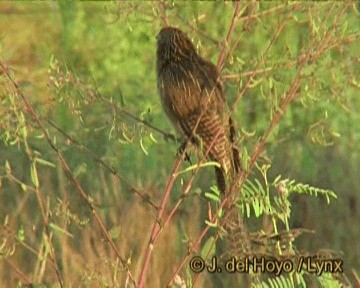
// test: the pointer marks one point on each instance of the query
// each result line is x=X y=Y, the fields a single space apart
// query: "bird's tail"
x=230 y=161
x=223 y=149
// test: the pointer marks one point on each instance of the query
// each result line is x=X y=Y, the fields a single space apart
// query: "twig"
x=163 y=13
x=166 y=135
x=157 y=223
x=112 y=170
x=266 y=12
x=18 y=271
x=228 y=36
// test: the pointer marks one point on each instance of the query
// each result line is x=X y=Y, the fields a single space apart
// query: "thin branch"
x=267 y=12
x=156 y=228
x=19 y=272
x=157 y=224
x=334 y=43
x=163 y=17
x=167 y=136
x=112 y=170
x=234 y=20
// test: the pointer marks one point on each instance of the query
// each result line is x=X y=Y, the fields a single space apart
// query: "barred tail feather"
x=207 y=127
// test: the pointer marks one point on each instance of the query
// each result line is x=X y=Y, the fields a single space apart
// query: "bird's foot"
x=182 y=151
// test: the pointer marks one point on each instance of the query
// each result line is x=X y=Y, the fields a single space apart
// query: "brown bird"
x=192 y=97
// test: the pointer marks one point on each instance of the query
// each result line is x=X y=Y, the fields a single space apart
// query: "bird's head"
x=174 y=45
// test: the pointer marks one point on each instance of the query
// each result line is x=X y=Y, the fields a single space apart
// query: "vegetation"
x=93 y=191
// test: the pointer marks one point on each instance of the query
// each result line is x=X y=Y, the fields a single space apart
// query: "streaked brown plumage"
x=193 y=99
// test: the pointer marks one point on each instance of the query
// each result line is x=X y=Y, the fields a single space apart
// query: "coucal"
x=193 y=98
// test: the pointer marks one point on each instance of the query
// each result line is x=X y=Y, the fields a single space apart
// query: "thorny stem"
x=157 y=224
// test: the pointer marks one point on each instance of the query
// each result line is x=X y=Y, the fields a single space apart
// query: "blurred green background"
x=72 y=59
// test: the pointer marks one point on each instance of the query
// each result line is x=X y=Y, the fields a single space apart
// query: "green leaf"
x=34 y=174
x=115 y=232
x=193 y=167
x=80 y=169
x=257 y=207
x=143 y=147
x=212 y=196
x=23 y=187
x=8 y=167
x=209 y=248
x=45 y=163
x=247 y=206
x=56 y=228
x=20 y=234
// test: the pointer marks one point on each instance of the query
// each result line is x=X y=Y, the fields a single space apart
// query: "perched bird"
x=192 y=97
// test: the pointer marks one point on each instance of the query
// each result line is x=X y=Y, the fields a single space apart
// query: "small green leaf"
x=23 y=187
x=247 y=206
x=20 y=234
x=45 y=163
x=34 y=174
x=8 y=167
x=207 y=222
x=143 y=148
x=193 y=167
x=80 y=169
x=208 y=250
x=151 y=135
x=115 y=232
x=212 y=196
x=56 y=228
x=256 y=207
